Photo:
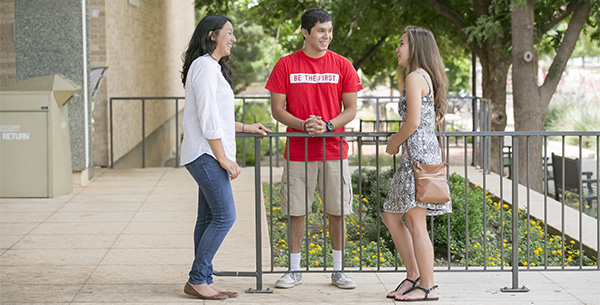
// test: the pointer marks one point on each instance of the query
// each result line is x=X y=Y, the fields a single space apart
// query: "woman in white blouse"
x=208 y=148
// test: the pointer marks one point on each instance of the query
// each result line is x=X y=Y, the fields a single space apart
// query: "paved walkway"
x=126 y=238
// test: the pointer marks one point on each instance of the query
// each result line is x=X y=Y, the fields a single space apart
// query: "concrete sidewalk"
x=126 y=238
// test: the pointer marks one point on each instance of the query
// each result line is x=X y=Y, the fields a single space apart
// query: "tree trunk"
x=495 y=69
x=528 y=115
x=531 y=100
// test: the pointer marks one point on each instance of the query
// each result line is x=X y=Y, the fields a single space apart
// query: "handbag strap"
x=439 y=138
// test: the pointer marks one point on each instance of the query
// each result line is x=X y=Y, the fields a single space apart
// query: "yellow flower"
x=316 y=263
x=353 y=251
x=381 y=259
x=538 y=227
x=540 y=249
x=524 y=263
x=551 y=239
x=356 y=258
x=532 y=222
x=536 y=252
x=475 y=246
x=568 y=259
x=572 y=242
x=533 y=264
x=492 y=263
x=311 y=245
x=282 y=241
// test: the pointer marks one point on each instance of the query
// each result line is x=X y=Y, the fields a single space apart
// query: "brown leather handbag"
x=430 y=179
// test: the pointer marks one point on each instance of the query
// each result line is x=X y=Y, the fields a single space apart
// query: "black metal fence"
x=480 y=109
x=560 y=225
x=537 y=212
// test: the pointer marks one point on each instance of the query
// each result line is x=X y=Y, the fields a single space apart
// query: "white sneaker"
x=289 y=280
x=342 y=280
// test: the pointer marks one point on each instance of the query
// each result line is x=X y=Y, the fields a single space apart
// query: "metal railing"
x=481 y=119
x=143 y=118
x=509 y=260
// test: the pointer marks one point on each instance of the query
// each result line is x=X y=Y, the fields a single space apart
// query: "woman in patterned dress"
x=422 y=104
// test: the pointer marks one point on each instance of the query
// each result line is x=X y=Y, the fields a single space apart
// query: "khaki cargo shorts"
x=330 y=188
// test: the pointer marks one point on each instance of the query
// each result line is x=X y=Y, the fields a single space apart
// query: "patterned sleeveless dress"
x=424 y=148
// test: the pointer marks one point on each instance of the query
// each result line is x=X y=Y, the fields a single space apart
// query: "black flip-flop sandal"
x=414 y=284
x=427 y=291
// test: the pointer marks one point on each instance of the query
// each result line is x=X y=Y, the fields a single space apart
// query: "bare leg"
x=335 y=231
x=423 y=249
x=296 y=232
x=404 y=245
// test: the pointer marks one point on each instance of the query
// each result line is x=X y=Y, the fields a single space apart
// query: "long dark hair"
x=201 y=43
x=424 y=53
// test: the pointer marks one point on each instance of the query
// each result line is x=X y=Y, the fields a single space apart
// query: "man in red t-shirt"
x=314 y=91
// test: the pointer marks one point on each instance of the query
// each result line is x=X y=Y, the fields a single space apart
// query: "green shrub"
x=365 y=229
x=583 y=116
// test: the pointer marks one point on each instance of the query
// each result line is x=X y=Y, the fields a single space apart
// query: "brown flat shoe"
x=189 y=290
x=230 y=294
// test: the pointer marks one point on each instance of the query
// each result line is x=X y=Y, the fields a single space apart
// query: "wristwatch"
x=328 y=126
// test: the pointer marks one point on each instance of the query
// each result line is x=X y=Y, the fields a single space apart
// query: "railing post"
x=112 y=163
x=143 y=133
x=176 y=132
x=257 y=213
x=515 y=221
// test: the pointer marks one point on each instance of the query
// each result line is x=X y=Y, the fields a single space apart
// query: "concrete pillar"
x=50 y=39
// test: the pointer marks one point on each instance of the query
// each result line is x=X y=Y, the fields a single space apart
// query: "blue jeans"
x=216 y=214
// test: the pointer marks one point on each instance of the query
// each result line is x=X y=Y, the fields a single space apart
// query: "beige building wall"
x=142 y=47
x=8 y=66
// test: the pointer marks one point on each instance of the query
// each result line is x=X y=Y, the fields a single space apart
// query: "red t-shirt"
x=314 y=86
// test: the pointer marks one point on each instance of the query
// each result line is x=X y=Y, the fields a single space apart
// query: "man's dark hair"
x=312 y=16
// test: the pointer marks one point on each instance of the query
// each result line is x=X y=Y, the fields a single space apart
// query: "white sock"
x=337 y=260
x=294 y=261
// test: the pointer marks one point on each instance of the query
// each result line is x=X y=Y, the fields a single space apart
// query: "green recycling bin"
x=35 y=152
